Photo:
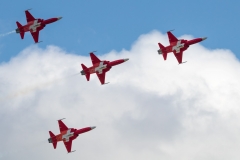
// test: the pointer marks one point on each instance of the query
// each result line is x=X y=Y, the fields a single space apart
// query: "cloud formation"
x=152 y=109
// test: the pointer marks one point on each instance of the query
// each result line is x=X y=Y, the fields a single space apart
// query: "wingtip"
x=72 y=151
x=28 y=9
x=105 y=83
x=61 y=119
x=170 y=30
x=38 y=42
x=92 y=52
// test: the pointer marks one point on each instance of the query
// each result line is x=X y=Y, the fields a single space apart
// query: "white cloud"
x=152 y=109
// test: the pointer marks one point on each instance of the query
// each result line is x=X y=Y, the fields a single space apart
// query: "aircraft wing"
x=94 y=59
x=178 y=56
x=101 y=77
x=171 y=37
x=29 y=17
x=68 y=145
x=62 y=126
x=35 y=35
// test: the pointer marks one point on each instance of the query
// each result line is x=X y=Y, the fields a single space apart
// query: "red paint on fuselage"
x=83 y=130
x=75 y=133
x=186 y=44
x=196 y=40
x=41 y=23
x=116 y=62
x=106 y=64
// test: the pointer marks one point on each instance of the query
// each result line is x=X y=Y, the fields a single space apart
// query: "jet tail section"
x=162 y=51
x=52 y=140
x=85 y=72
x=18 y=30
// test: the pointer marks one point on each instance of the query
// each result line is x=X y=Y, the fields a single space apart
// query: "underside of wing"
x=29 y=17
x=171 y=37
x=62 y=126
x=94 y=59
x=68 y=145
x=178 y=56
x=101 y=77
x=35 y=36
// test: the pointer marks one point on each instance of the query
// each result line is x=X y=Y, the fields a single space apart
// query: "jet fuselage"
x=181 y=45
x=69 y=134
x=103 y=66
x=36 y=25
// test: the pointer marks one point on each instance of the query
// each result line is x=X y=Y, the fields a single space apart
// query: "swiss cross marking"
x=66 y=136
x=100 y=68
x=178 y=46
x=34 y=26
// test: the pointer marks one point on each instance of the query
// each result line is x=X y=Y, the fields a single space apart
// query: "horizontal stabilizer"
x=19 y=24
x=53 y=140
x=85 y=72
x=19 y=29
x=161 y=46
x=51 y=134
x=162 y=51
x=84 y=67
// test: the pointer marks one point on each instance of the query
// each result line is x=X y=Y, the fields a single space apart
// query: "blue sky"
x=106 y=25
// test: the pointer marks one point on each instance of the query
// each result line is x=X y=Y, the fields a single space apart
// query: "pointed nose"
x=126 y=59
x=59 y=18
x=204 y=38
x=93 y=127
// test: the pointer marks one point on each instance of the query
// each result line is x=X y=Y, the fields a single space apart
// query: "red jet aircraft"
x=67 y=135
x=177 y=46
x=34 y=25
x=100 y=67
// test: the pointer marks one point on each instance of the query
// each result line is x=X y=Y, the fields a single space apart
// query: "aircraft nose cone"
x=204 y=38
x=59 y=18
x=93 y=127
x=126 y=59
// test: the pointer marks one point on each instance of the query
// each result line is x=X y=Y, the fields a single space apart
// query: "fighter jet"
x=177 y=46
x=67 y=135
x=99 y=67
x=34 y=25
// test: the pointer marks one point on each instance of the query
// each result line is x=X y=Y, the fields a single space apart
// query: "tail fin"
x=162 y=51
x=18 y=30
x=85 y=72
x=52 y=140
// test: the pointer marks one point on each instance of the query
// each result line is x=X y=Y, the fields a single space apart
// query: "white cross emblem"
x=34 y=26
x=100 y=68
x=178 y=46
x=67 y=135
